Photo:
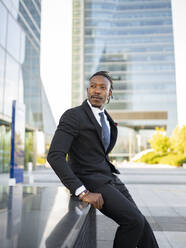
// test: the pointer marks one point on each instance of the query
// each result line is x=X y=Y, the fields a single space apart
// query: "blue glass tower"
x=133 y=40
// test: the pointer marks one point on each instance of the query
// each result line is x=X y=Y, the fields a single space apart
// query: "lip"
x=96 y=97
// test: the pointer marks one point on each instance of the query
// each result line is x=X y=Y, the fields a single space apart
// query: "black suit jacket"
x=80 y=135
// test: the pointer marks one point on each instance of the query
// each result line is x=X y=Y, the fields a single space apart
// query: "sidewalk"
x=41 y=176
x=159 y=193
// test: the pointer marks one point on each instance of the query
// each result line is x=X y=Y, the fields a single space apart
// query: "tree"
x=160 y=142
x=178 y=140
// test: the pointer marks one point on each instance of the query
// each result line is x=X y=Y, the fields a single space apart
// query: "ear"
x=110 y=92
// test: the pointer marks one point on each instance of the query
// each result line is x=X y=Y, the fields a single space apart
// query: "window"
x=2 y=62
x=3 y=25
x=14 y=38
x=11 y=84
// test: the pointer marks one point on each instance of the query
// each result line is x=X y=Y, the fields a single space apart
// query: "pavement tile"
x=162 y=240
x=163 y=211
x=176 y=239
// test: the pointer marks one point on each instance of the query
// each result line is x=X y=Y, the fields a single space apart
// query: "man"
x=87 y=133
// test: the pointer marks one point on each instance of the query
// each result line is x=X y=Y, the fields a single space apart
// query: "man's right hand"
x=95 y=199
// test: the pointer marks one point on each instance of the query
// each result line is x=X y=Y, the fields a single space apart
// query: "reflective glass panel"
x=21 y=87
x=133 y=40
x=5 y=138
x=14 y=38
x=13 y=6
x=11 y=84
x=3 y=26
x=2 y=62
x=22 y=48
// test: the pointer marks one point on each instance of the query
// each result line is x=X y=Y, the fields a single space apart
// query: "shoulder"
x=70 y=122
x=72 y=113
x=73 y=110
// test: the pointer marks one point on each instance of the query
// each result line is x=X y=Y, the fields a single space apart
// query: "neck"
x=94 y=106
x=101 y=108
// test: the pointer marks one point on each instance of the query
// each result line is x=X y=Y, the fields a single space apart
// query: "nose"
x=97 y=90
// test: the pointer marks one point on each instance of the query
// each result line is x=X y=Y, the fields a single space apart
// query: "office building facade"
x=133 y=40
x=20 y=76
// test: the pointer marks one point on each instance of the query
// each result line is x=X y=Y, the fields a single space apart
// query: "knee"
x=135 y=220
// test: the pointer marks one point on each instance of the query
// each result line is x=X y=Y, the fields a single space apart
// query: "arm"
x=66 y=132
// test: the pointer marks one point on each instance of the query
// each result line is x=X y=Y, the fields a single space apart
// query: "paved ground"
x=160 y=193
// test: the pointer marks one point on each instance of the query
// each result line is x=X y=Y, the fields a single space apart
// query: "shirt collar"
x=94 y=109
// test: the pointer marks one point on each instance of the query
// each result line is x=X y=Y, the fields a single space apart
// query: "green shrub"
x=160 y=142
x=150 y=158
x=157 y=158
x=173 y=159
x=167 y=150
x=41 y=160
x=178 y=140
x=182 y=160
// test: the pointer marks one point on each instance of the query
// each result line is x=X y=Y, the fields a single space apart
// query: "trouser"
x=134 y=230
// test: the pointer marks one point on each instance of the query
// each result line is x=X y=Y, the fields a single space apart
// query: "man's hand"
x=95 y=199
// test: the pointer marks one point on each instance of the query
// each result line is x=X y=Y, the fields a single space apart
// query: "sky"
x=56 y=54
x=179 y=23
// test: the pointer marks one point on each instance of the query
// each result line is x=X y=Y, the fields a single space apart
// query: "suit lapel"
x=93 y=120
x=114 y=132
x=113 y=127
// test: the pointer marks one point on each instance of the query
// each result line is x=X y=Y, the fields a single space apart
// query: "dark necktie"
x=105 y=131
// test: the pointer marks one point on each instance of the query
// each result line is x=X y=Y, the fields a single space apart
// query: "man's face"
x=98 y=91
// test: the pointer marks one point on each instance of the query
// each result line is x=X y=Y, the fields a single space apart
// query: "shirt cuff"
x=80 y=190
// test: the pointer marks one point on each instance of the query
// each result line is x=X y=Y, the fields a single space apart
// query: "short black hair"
x=104 y=74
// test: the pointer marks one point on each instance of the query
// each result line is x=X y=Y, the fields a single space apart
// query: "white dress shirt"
x=96 y=112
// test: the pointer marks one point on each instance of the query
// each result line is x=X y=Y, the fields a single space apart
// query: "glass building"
x=133 y=40
x=20 y=76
